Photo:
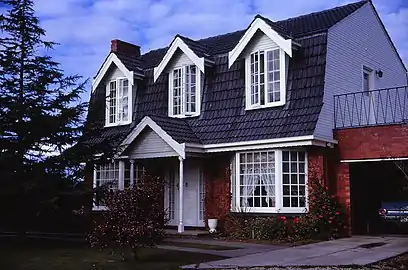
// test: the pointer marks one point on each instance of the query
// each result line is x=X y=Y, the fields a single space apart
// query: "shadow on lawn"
x=35 y=254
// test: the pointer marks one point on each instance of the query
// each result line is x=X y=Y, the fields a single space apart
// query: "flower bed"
x=325 y=220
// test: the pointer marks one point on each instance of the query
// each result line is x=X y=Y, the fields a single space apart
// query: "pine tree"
x=41 y=113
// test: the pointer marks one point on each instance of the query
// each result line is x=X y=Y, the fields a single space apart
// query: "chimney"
x=125 y=48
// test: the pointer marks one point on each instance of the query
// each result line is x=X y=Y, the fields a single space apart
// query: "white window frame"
x=278 y=209
x=123 y=175
x=183 y=112
x=107 y=103
x=282 y=70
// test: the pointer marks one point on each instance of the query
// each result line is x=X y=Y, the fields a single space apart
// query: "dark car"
x=396 y=212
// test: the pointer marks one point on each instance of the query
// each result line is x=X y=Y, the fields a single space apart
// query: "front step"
x=189 y=233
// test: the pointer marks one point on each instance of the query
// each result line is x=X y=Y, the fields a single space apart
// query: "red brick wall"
x=372 y=142
x=343 y=188
x=217 y=187
x=316 y=162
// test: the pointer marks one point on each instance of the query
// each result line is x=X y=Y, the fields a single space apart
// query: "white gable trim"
x=112 y=58
x=147 y=121
x=178 y=43
x=259 y=24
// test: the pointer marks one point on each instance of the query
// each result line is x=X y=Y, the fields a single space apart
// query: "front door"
x=369 y=102
x=193 y=205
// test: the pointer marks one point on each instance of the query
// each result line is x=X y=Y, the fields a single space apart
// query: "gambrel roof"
x=223 y=117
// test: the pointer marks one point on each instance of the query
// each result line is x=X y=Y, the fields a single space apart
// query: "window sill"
x=270 y=105
x=265 y=210
x=185 y=116
x=118 y=124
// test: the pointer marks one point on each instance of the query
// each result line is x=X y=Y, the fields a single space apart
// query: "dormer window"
x=118 y=102
x=184 y=91
x=265 y=78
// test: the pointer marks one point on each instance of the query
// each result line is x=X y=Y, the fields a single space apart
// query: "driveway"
x=357 y=250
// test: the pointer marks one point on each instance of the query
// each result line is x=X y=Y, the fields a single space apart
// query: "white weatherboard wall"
x=179 y=59
x=358 y=40
x=150 y=145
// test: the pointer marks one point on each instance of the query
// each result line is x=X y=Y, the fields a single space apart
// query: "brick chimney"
x=122 y=47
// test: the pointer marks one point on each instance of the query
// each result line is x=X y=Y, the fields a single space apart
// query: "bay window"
x=184 y=91
x=270 y=181
x=265 y=85
x=118 y=102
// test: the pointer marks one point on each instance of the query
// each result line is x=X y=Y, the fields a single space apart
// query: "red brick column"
x=217 y=200
x=316 y=163
x=343 y=189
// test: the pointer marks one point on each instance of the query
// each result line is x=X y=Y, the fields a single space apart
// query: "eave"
x=178 y=43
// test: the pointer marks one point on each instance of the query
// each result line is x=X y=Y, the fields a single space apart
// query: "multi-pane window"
x=294 y=179
x=266 y=86
x=118 y=101
x=269 y=181
x=107 y=177
x=184 y=95
x=257 y=179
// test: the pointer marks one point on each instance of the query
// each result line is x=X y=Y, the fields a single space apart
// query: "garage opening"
x=372 y=183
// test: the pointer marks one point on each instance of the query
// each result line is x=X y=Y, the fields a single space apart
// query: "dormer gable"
x=194 y=51
x=120 y=52
x=272 y=31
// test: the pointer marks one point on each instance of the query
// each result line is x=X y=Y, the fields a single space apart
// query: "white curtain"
x=268 y=180
x=249 y=184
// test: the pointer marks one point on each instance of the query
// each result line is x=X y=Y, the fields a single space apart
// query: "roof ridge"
x=323 y=11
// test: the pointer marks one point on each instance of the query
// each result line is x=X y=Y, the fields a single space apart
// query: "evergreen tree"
x=40 y=114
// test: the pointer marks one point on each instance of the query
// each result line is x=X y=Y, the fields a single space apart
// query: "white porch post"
x=121 y=175
x=132 y=172
x=181 y=196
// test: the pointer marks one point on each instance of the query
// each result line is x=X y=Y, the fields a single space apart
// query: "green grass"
x=66 y=256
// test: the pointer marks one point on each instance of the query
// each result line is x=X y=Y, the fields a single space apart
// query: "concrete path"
x=237 y=248
x=358 y=250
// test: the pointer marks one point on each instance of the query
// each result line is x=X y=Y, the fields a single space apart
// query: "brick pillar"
x=217 y=189
x=316 y=163
x=343 y=189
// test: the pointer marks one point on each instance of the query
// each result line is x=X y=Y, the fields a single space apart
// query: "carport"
x=373 y=182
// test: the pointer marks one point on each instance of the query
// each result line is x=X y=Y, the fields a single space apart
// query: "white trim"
x=372 y=160
x=112 y=58
x=259 y=24
x=278 y=186
x=261 y=144
x=147 y=121
x=107 y=108
x=183 y=93
x=178 y=43
x=282 y=80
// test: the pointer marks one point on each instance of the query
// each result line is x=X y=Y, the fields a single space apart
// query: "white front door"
x=193 y=206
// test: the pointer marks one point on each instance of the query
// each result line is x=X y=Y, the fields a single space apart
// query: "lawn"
x=37 y=255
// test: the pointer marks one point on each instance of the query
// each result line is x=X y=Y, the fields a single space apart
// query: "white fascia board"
x=112 y=58
x=372 y=160
x=259 y=24
x=178 y=43
x=147 y=121
x=309 y=140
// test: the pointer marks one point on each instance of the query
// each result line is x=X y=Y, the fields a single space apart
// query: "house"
x=241 y=120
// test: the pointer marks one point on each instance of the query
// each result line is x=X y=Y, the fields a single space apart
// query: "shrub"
x=134 y=218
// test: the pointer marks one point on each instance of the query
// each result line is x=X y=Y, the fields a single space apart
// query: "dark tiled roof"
x=177 y=128
x=198 y=48
x=223 y=116
x=131 y=63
